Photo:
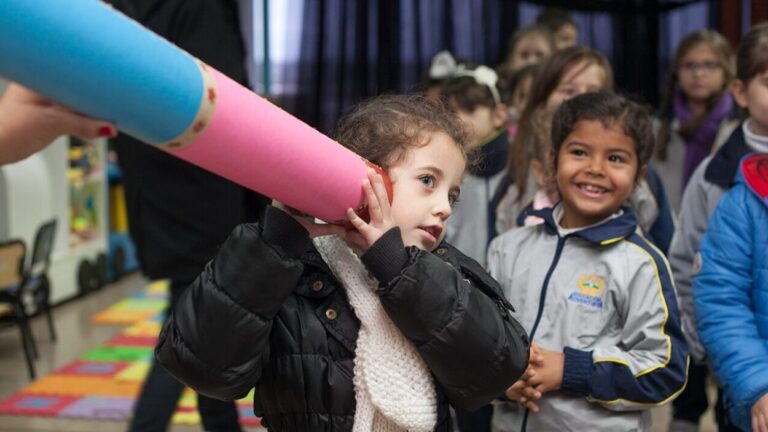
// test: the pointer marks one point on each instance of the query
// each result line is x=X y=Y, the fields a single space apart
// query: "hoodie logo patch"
x=590 y=286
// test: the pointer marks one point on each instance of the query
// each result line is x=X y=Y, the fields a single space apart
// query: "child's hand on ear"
x=308 y=222
x=365 y=234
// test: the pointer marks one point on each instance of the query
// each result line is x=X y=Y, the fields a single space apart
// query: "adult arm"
x=29 y=122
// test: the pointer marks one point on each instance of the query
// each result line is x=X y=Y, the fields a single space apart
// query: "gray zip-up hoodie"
x=603 y=295
x=713 y=177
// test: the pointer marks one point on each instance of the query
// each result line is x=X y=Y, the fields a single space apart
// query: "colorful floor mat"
x=103 y=383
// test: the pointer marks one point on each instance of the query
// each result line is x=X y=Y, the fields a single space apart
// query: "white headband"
x=483 y=75
x=443 y=65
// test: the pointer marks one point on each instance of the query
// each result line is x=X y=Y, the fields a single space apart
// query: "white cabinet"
x=45 y=186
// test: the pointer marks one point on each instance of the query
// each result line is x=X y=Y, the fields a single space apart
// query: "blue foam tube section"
x=95 y=60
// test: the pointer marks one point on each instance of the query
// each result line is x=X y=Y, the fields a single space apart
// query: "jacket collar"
x=724 y=165
x=493 y=156
x=754 y=172
x=606 y=233
x=471 y=268
x=313 y=258
x=322 y=274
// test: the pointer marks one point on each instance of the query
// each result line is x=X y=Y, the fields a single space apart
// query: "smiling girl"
x=595 y=296
x=527 y=181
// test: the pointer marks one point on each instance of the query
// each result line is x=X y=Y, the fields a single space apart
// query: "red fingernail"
x=106 y=131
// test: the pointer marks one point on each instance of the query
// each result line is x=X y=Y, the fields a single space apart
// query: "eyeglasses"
x=693 y=67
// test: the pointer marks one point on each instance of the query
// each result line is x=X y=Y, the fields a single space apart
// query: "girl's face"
x=700 y=74
x=520 y=95
x=566 y=36
x=596 y=172
x=754 y=98
x=530 y=49
x=583 y=77
x=482 y=123
x=426 y=183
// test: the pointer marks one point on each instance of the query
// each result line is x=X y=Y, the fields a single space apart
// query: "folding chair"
x=11 y=281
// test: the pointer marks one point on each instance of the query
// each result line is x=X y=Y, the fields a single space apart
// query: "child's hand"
x=535 y=357
x=521 y=391
x=548 y=374
x=308 y=222
x=518 y=390
x=365 y=234
x=760 y=414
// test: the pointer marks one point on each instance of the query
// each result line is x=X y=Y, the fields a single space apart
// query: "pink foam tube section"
x=258 y=145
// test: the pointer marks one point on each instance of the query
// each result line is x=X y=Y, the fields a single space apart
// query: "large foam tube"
x=85 y=55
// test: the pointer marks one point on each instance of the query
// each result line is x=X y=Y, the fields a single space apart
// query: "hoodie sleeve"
x=217 y=336
x=458 y=322
x=649 y=366
x=694 y=216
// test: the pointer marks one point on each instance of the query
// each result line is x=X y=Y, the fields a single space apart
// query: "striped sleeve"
x=649 y=366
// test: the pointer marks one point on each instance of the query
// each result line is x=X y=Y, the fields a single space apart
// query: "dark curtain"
x=355 y=49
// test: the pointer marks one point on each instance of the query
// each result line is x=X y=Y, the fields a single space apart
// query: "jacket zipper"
x=542 y=297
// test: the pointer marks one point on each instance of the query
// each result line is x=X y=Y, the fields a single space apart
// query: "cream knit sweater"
x=394 y=390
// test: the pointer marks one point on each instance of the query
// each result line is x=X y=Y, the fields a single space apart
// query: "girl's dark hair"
x=509 y=83
x=555 y=18
x=531 y=140
x=525 y=32
x=720 y=46
x=611 y=110
x=752 y=56
x=383 y=128
x=467 y=93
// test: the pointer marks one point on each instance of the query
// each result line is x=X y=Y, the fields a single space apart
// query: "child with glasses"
x=696 y=111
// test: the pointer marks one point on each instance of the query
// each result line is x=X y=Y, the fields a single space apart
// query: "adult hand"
x=760 y=415
x=381 y=221
x=308 y=222
x=29 y=122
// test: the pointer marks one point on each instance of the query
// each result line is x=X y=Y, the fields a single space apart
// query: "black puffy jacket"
x=268 y=313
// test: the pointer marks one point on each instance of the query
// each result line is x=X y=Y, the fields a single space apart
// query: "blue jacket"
x=731 y=291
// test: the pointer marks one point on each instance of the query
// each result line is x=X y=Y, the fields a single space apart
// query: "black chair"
x=11 y=282
x=27 y=290
x=36 y=284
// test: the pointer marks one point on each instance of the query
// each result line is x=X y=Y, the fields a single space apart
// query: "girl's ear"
x=739 y=92
x=499 y=115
